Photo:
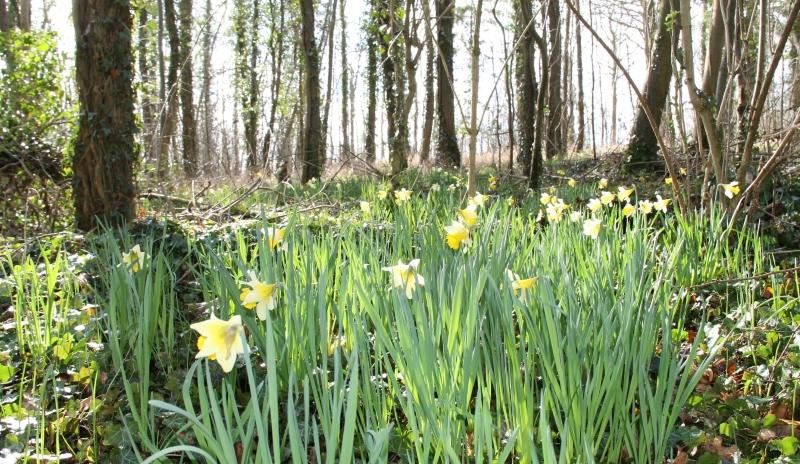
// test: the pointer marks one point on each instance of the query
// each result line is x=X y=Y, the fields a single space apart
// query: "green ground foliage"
x=667 y=336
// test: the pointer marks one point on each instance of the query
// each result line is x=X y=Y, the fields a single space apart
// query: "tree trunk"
x=642 y=149
x=312 y=131
x=276 y=57
x=145 y=75
x=188 y=123
x=208 y=110
x=555 y=144
x=430 y=96
x=3 y=16
x=372 y=93
x=24 y=20
x=345 y=149
x=446 y=141
x=473 y=131
x=169 y=108
x=103 y=159
x=329 y=33
x=526 y=86
x=392 y=85
x=580 y=138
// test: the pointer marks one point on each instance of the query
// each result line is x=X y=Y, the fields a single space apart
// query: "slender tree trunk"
x=446 y=140
x=473 y=132
x=345 y=149
x=555 y=145
x=276 y=45
x=188 y=122
x=103 y=159
x=372 y=93
x=145 y=75
x=171 y=108
x=430 y=96
x=392 y=86
x=534 y=179
x=642 y=149
x=580 y=139
x=329 y=34
x=24 y=20
x=208 y=110
x=312 y=155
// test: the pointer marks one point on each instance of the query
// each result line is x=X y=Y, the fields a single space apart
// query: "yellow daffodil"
x=492 y=183
x=220 y=340
x=382 y=194
x=628 y=210
x=402 y=195
x=478 y=200
x=259 y=295
x=365 y=206
x=452 y=187
x=134 y=259
x=731 y=190
x=661 y=204
x=469 y=215
x=572 y=182
x=575 y=216
x=591 y=227
x=646 y=207
x=510 y=201
x=682 y=171
x=594 y=205
x=275 y=237
x=561 y=172
x=603 y=183
x=521 y=287
x=405 y=276
x=456 y=234
x=546 y=198
x=624 y=194
x=607 y=198
x=668 y=181
x=435 y=187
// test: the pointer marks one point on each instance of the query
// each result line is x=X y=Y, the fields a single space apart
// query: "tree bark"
x=329 y=33
x=276 y=45
x=3 y=16
x=345 y=149
x=580 y=138
x=103 y=189
x=642 y=149
x=526 y=86
x=145 y=75
x=430 y=95
x=473 y=132
x=208 y=110
x=188 y=122
x=446 y=141
x=555 y=144
x=372 y=93
x=312 y=130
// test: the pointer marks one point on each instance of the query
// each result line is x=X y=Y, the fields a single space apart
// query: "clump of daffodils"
x=603 y=183
x=259 y=296
x=492 y=183
x=382 y=194
x=555 y=210
x=731 y=190
x=365 y=206
x=607 y=198
x=134 y=259
x=220 y=341
x=521 y=287
x=572 y=182
x=405 y=276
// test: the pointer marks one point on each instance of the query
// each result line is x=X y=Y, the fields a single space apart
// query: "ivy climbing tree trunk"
x=103 y=159
x=188 y=122
x=446 y=141
x=526 y=85
x=312 y=128
x=430 y=96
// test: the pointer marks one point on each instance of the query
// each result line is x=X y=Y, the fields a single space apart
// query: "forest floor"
x=574 y=324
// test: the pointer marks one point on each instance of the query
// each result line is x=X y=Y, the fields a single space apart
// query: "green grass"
x=600 y=362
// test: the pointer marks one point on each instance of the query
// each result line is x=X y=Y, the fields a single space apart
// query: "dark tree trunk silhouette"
x=312 y=127
x=188 y=123
x=446 y=140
